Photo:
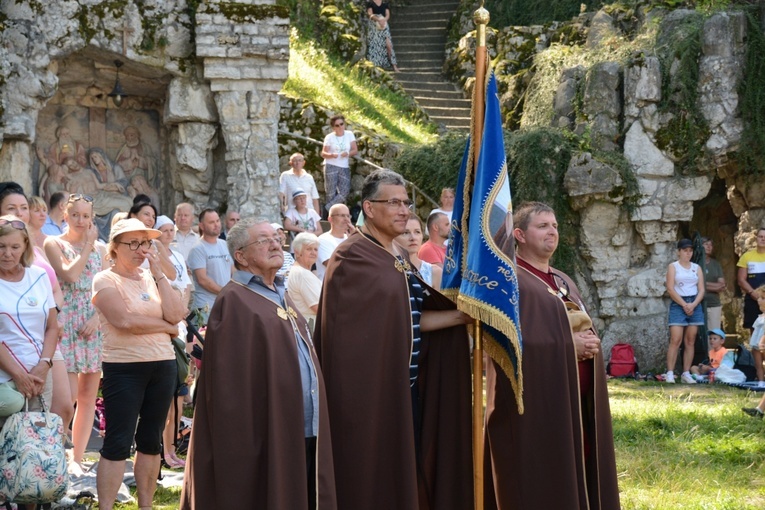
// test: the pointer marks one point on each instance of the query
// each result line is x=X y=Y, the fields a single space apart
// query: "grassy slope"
x=332 y=84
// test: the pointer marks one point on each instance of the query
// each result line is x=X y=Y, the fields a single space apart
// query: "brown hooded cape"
x=364 y=341
x=248 y=444
x=537 y=460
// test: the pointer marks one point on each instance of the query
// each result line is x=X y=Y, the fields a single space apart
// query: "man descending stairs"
x=419 y=34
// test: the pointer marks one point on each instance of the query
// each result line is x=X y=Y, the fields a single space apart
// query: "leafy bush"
x=433 y=166
x=532 y=12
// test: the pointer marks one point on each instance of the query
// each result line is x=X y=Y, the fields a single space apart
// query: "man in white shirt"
x=340 y=221
x=185 y=238
x=297 y=178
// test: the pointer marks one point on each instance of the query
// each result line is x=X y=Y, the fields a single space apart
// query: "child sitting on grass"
x=716 y=354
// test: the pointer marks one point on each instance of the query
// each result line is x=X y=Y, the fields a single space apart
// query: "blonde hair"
x=29 y=252
x=37 y=203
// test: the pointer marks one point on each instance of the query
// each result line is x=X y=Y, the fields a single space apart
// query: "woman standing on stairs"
x=379 y=44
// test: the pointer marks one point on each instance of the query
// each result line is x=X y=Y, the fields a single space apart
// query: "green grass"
x=687 y=447
x=326 y=81
x=677 y=447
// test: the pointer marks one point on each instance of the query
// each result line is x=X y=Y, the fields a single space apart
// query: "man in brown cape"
x=560 y=453
x=399 y=401
x=261 y=430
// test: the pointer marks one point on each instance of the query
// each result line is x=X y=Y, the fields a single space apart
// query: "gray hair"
x=377 y=178
x=303 y=240
x=239 y=235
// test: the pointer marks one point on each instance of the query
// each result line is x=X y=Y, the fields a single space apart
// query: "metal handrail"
x=415 y=189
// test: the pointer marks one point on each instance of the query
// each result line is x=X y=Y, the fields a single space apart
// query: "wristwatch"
x=48 y=361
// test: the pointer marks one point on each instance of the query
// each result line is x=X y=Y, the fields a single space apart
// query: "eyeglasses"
x=339 y=215
x=395 y=203
x=264 y=241
x=79 y=196
x=17 y=224
x=298 y=160
x=338 y=124
x=135 y=244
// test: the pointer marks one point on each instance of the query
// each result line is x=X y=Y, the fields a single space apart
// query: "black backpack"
x=744 y=361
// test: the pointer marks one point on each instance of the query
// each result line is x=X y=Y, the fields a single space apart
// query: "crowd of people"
x=339 y=395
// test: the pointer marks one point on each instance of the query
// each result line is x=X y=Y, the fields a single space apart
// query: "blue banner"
x=479 y=270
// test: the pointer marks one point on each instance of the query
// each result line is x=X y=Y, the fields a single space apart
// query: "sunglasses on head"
x=17 y=224
x=79 y=196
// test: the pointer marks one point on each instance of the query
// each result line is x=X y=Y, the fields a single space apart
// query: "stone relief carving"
x=109 y=155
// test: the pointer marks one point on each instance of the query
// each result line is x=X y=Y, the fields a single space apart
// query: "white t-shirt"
x=308 y=221
x=182 y=279
x=24 y=310
x=305 y=290
x=327 y=245
x=686 y=280
x=337 y=145
x=289 y=183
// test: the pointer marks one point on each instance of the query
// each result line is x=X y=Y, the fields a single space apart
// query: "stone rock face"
x=644 y=156
x=602 y=103
x=601 y=28
x=720 y=70
x=629 y=227
x=222 y=74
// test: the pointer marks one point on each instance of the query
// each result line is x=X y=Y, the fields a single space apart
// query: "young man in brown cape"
x=560 y=453
x=261 y=430
x=399 y=402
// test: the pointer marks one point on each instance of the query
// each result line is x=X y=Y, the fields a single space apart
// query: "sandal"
x=172 y=464
x=177 y=460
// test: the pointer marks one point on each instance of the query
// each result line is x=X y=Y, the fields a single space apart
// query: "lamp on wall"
x=117 y=94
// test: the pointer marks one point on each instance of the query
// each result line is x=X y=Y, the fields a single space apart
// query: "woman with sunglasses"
x=28 y=326
x=147 y=214
x=14 y=202
x=339 y=147
x=77 y=256
x=140 y=312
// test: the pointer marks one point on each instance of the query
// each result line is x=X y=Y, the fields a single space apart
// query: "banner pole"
x=481 y=19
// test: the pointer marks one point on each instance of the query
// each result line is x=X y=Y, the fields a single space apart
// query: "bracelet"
x=160 y=279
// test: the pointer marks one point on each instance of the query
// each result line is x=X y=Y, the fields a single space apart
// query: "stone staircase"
x=419 y=36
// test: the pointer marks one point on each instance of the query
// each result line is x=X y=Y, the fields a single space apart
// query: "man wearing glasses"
x=260 y=381
x=297 y=178
x=565 y=432
x=395 y=358
x=339 y=147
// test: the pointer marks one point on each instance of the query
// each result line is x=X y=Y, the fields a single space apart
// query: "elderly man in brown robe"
x=261 y=431
x=395 y=358
x=560 y=453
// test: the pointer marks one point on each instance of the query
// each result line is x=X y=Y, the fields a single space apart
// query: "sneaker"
x=753 y=412
x=669 y=378
x=686 y=378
